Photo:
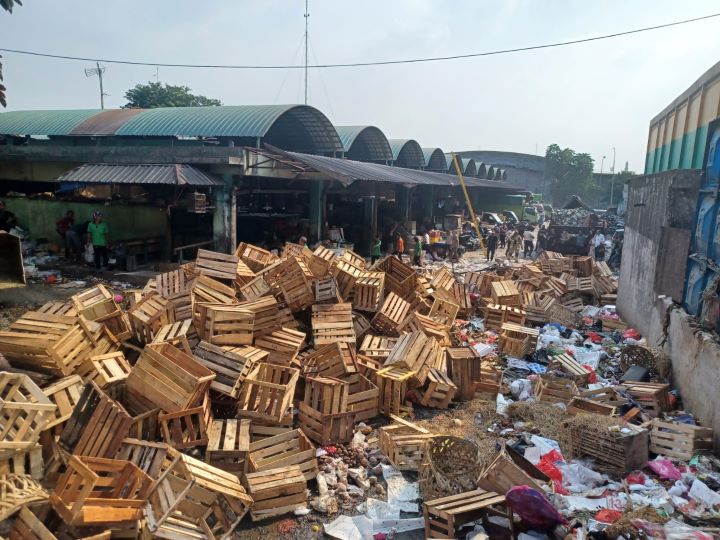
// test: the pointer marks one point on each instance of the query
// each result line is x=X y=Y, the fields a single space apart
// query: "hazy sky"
x=590 y=97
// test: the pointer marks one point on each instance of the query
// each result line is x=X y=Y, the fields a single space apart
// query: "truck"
x=571 y=228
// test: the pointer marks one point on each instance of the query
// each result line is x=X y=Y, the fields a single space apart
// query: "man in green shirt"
x=417 y=259
x=376 y=246
x=98 y=236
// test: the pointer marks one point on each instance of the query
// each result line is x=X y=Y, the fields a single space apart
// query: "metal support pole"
x=233 y=220
x=102 y=92
x=467 y=200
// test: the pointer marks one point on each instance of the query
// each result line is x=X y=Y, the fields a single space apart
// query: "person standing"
x=399 y=246
x=62 y=226
x=376 y=251
x=97 y=235
x=491 y=243
x=528 y=240
x=502 y=235
x=542 y=240
x=599 y=244
x=7 y=218
x=418 y=252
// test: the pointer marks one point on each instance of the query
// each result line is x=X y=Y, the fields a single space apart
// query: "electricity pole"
x=99 y=72
x=612 y=181
x=307 y=15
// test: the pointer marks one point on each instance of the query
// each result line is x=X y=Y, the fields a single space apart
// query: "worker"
x=454 y=245
x=62 y=226
x=513 y=245
x=491 y=243
x=418 y=251
x=98 y=236
x=542 y=240
x=399 y=246
x=7 y=218
x=599 y=245
x=528 y=241
x=302 y=241
x=502 y=235
x=376 y=251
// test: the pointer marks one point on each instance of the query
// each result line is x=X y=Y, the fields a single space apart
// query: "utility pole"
x=99 y=72
x=612 y=180
x=307 y=15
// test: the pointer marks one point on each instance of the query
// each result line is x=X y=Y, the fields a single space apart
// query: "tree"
x=568 y=172
x=155 y=94
x=7 y=5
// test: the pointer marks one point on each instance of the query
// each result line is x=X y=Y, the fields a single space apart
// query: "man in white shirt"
x=599 y=246
x=528 y=240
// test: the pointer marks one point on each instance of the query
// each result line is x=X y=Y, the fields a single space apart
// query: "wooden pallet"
x=166 y=377
x=106 y=369
x=24 y=411
x=415 y=322
x=332 y=323
x=216 y=265
x=444 y=516
x=326 y=290
x=229 y=445
x=267 y=393
x=377 y=347
x=148 y=456
x=394 y=310
x=569 y=365
x=231 y=368
x=680 y=441
x=283 y=345
x=332 y=360
x=553 y=390
x=182 y=334
x=392 y=385
x=418 y=353
x=285 y=449
x=363 y=397
x=505 y=293
x=255 y=257
x=369 y=291
x=65 y=394
x=440 y=390
x=653 y=397
x=324 y=414
x=97 y=491
x=187 y=428
x=28 y=461
x=276 y=491
x=463 y=366
x=404 y=443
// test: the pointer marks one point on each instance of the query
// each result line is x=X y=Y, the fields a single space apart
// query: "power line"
x=361 y=64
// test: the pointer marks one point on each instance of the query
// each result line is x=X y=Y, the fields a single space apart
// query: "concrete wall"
x=38 y=217
x=660 y=213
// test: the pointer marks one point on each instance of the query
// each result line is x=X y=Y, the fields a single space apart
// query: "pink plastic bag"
x=533 y=508
x=664 y=469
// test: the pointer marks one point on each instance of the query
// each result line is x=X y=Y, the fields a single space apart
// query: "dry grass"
x=544 y=419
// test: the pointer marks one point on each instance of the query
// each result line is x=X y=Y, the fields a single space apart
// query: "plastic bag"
x=89 y=254
x=578 y=478
x=631 y=333
x=548 y=466
x=533 y=508
x=664 y=469
x=608 y=516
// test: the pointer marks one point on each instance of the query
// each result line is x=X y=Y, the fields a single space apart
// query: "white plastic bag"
x=89 y=254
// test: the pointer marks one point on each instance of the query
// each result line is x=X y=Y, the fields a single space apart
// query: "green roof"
x=43 y=122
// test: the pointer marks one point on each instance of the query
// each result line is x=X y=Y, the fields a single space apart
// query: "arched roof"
x=407 y=153
x=499 y=173
x=481 y=169
x=490 y=172
x=364 y=143
x=434 y=159
x=294 y=127
x=504 y=174
x=469 y=168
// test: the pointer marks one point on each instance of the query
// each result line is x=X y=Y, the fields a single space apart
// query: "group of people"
x=514 y=240
x=419 y=246
x=95 y=232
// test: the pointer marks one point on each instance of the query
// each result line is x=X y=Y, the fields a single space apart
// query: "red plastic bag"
x=533 y=508
x=636 y=478
x=547 y=465
x=595 y=337
x=592 y=378
x=631 y=333
x=608 y=516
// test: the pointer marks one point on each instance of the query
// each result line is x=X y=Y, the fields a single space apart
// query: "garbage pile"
x=313 y=388
x=572 y=217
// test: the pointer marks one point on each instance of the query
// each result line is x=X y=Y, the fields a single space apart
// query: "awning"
x=104 y=173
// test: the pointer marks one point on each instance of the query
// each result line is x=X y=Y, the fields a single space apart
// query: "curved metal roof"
x=364 y=143
x=407 y=153
x=43 y=122
x=434 y=159
x=490 y=172
x=504 y=174
x=481 y=169
x=469 y=168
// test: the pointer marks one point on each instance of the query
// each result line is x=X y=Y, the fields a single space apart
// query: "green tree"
x=8 y=6
x=155 y=94
x=602 y=191
x=568 y=173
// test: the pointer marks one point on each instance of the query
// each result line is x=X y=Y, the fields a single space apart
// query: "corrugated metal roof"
x=105 y=122
x=105 y=173
x=43 y=122
x=348 y=171
x=434 y=159
x=364 y=143
x=407 y=153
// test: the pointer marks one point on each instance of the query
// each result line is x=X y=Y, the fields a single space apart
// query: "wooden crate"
x=256 y=258
x=216 y=265
x=569 y=365
x=254 y=289
x=444 y=516
x=606 y=395
x=415 y=322
x=324 y=413
x=266 y=314
x=496 y=315
x=326 y=290
x=296 y=250
x=377 y=347
x=27 y=526
x=404 y=443
x=505 y=293
x=346 y=274
x=576 y=305
x=97 y=304
x=231 y=368
x=353 y=258
x=332 y=323
x=211 y=291
x=182 y=334
x=332 y=360
x=106 y=369
x=518 y=341
x=443 y=279
x=440 y=390
x=418 y=353
x=461 y=293
x=148 y=316
x=229 y=445
x=394 y=310
x=463 y=366
x=510 y=469
x=187 y=428
x=653 y=397
x=97 y=425
x=369 y=291
x=286 y=319
x=222 y=324
x=276 y=491
x=363 y=397
x=400 y=278
x=680 y=441
x=267 y=392
x=444 y=308
x=283 y=345
x=556 y=286
x=98 y=491
x=392 y=385
x=613 y=451
x=176 y=287
x=28 y=461
x=24 y=411
x=578 y=405
x=489 y=383
x=368 y=367
x=610 y=323
x=321 y=261
x=146 y=455
x=296 y=292
x=166 y=377
x=186 y=482
x=291 y=447
x=65 y=394
x=554 y=390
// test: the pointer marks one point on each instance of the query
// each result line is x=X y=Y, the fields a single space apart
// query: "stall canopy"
x=103 y=173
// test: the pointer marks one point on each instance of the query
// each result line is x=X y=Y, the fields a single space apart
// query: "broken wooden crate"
x=24 y=411
x=404 y=443
x=332 y=323
x=231 y=368
x=324 y=413
x=276 y=491
x=568 y=364
x=614 y=450
x=440 y=390
x=489 y=383
x=679 y=441
x=291 y=447
x=266 y=394
x=97 y=304
x=510 y=469
x=554 y=389
x=418 y=353
x=653 y=397
x=578 y=405
x=443 y=517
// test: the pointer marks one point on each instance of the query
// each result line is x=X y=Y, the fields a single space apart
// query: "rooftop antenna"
x=307 y=15
x=98 y=71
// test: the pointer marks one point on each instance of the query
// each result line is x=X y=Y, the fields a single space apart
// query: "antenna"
x=307 y=16
x=98 y=71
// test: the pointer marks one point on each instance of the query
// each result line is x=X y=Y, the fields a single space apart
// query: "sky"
x=590 y=97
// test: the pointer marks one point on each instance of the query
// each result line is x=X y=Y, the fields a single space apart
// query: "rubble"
x=313 y=388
